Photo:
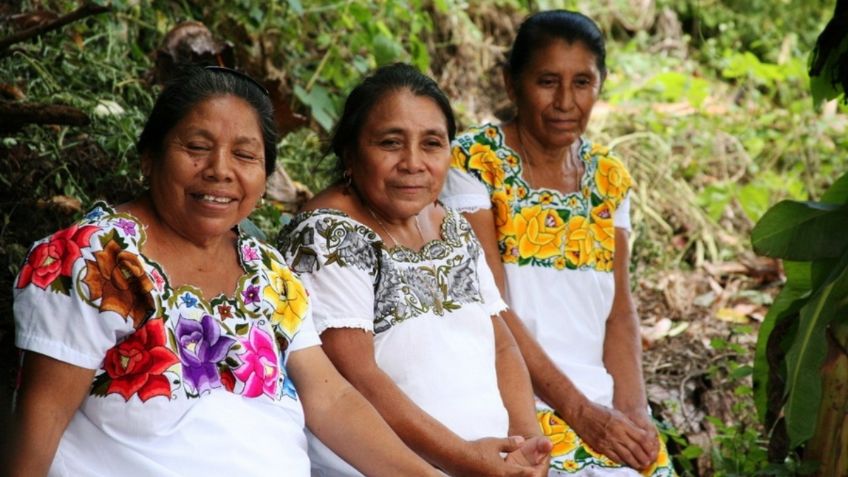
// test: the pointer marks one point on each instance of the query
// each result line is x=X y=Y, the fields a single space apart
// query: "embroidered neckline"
x=398 y=252
x=208 y=304
x=561 y=198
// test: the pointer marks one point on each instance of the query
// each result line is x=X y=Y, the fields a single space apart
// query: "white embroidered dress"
x=430 y=312
x=183 y=386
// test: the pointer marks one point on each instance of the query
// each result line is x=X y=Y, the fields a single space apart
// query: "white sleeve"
x=337 y=264
x=463 y=192
x=58 y=314
x=306 y=336
x=621 y=218
x=492 y=300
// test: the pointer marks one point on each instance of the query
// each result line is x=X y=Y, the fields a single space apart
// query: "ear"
x=146 y=164
x=510 y=86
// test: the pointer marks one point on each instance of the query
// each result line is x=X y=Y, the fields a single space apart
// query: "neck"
x=538 y=155
x=404 y=231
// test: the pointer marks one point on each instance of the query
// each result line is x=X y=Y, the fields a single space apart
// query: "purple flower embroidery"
x=249 y=253
x=260 y=367
x=251 y=295
x=128 y=226
x=201 y=348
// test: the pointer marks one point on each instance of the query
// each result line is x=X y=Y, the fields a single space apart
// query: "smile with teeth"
x=214 y=198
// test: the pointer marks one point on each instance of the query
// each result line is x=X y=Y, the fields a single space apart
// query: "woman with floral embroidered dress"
x=551 y=210
x=406 y=307
x=160 y=340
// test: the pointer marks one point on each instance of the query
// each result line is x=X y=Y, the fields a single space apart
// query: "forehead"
x=222 y=113
x=559 y=55
x=402 y=109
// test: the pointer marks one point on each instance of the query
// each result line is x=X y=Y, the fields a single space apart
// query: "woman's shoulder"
x=609 y=173
x=487 y=133
x=100 y=238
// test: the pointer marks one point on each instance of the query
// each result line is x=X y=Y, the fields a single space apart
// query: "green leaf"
x=320 y=103
x=801 y=231
x=808 y=351
x=786 y=305
x=296 y=6
x=838 y=191
x=386 y=50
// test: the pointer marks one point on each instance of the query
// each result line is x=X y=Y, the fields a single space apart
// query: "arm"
x=352 y=351
x=51 y=392
x=343 y=420
x=516 y=393
x=623 y=349
x=607 y=430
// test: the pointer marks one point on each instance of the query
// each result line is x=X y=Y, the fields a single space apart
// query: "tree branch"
x=86 y=10
x=14 y=115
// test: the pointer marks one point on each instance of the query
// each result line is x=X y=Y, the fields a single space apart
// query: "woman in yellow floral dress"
x=552 y=212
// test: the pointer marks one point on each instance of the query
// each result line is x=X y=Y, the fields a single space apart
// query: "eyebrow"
x=239 y=139
x=396 y=130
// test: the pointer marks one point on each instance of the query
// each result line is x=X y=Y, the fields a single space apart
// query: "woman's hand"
x=615 y=435
x=486 y=458
x=534 y=452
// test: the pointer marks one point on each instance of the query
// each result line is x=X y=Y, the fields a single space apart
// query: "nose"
x=219 y=166
x=413 y=160
x=564 y=98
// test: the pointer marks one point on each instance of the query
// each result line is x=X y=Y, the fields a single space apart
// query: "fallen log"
x=14 y=115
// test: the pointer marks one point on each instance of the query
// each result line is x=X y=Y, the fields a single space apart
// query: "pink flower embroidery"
x=249 y=253
x=260 y=369
x=158 y=281
x=56 y=257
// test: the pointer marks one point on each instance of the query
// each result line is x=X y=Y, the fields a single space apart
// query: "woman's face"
x=402 y=154
x=555 y=93
x=212 y=169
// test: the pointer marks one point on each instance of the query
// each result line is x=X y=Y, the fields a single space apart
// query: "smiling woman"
x=404 y=302
x=156 y=327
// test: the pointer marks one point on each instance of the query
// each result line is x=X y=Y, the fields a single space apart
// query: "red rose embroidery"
x=137 y=363
x=55 y=257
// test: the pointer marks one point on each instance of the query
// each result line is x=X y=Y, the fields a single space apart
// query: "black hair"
x=193 y=85
x=370 y=91
x=539 y=29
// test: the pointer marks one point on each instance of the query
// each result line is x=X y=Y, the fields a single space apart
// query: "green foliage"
x=792 y=344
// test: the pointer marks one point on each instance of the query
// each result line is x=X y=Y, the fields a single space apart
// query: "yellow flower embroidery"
x=546 y=198
x=603 y=229
x=458 y=158
x=539 y=232
x=603 y=460
x=603 y=259
x=662 y=460
x=599 y=150
x=511 y=250
x=570 y=465
x=486 y=161
x=288 y=296
x=578 y=248
x=559 y=263
x=501 y=207
x=512 y=160
x=612 y=179
x=522 y=192
x=563 y=438
x=491 y=133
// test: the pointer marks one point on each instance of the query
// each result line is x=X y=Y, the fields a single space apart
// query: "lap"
x=571 y=456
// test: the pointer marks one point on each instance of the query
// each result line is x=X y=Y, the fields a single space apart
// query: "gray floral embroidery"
x=407 y=283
